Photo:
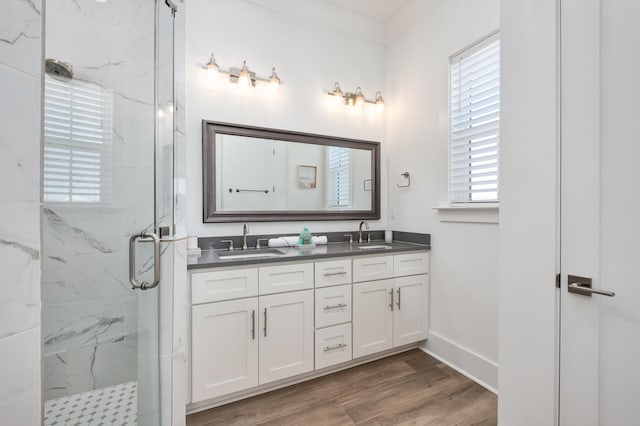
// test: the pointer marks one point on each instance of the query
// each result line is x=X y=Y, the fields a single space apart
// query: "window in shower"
x=77 y=142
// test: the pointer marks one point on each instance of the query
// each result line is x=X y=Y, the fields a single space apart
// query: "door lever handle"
x=582 y=286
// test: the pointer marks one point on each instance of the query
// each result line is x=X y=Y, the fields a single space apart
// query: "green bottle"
x=305 y=237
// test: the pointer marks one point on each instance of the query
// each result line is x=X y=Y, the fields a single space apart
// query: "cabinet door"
x=286 y=335
x=372 y=317
x=410 y=310
x=224 y=344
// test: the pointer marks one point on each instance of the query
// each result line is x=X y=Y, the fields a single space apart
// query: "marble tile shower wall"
x=90 y=314
x=20 y=82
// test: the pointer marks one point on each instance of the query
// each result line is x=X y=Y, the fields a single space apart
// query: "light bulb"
x=245 y=76
x=274 y=80
x=379 y=101
x=212 y=69
x=359 y=98
x=337 y=94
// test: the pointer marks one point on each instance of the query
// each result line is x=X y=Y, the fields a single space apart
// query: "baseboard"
x=474 y=366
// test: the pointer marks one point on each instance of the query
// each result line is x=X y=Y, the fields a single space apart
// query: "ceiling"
x=378 y=10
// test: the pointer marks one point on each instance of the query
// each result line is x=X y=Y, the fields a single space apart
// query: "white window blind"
x=77 y=142
x=475 y=123
x=338 y=177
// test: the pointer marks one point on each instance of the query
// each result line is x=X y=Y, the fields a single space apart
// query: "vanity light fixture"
x=242 y=75
x=356 y=99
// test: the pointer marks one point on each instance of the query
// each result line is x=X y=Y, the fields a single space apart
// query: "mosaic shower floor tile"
x=113 y=405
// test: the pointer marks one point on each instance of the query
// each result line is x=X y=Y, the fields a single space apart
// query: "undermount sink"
x=251 y=254
x=375 y=247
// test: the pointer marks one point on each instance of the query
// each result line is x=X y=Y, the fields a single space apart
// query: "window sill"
x=480 y=213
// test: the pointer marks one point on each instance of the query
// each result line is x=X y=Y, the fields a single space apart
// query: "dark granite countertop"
x=211 y=258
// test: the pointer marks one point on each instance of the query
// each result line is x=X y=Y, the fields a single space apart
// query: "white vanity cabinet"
x=388 y=313
x=258 y=325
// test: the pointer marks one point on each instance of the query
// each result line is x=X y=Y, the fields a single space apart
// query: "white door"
x=372 y=317
x=224 y=348
x=600 y=215
x=410 y=311
x=286 y=335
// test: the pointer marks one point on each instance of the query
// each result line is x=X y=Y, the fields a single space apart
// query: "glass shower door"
x=101 y=132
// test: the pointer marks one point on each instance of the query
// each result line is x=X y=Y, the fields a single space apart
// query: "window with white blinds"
x=338 y=179
x=77 y=142
x=475 y=123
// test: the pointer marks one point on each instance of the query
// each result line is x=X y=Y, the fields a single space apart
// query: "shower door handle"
x=145 y=236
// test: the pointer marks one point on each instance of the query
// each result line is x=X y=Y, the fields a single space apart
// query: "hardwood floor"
x=411 y=388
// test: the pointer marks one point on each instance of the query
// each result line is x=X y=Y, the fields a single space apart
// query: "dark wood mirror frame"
x=211 y=215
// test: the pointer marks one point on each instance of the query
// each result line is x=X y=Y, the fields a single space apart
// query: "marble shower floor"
x=113 y=405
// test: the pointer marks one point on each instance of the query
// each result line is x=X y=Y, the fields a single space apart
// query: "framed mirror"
x=256 y=174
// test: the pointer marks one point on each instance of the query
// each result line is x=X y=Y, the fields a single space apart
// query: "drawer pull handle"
x=333 y=348
x=398 y=299
x=332 y=274
x=339 y=305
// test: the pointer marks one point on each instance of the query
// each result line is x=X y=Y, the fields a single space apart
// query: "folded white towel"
x=283 y=241
x=322 y=239
x=293 y=240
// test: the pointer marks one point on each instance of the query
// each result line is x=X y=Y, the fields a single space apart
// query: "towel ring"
x=407 y=176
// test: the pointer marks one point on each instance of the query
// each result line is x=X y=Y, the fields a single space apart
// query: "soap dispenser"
x=305 y=237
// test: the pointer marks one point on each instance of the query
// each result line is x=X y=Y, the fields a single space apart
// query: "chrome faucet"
x=365 y=223
x=245 y=232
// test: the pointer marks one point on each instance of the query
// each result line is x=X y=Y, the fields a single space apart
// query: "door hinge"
x=557 y=280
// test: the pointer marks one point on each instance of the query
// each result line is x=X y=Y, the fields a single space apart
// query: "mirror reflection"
x=255 y=174
x=263 y=174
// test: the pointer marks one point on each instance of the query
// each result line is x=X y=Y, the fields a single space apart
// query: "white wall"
x=464 y=258
x=20 y=85
x=528 y=212
x=310 y=54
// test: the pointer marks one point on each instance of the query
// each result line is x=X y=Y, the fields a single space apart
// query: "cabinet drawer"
x=333 y=272
x=410 y=264
x=372 y=268
x=214 y=286
x=333 y=305
x=333 y=345
x=281 y=278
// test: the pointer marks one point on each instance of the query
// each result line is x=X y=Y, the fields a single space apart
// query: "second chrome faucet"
x=245 y=232
x=366 y=224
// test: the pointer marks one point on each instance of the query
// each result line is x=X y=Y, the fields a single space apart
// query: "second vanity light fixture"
x=241 y=75
x=356 y=98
